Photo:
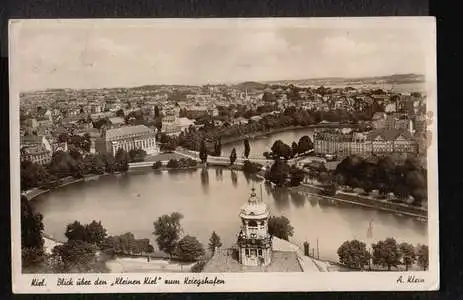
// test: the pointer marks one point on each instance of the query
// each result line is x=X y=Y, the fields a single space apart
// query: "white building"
x=254 y=241
x=127 y=138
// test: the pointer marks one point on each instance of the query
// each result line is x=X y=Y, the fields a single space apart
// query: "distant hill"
x=250 y=85
x=389 y=79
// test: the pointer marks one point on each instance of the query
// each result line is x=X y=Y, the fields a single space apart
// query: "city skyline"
x=84 y=55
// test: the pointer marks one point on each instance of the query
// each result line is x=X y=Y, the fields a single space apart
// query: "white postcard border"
x=236 y=282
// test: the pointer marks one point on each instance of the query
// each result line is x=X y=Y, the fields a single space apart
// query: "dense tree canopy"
x=31 y=235
x=422 y=253
x=233 y=156
x=214 y=242
x=137 y=155
x=354 y=254
x=403 y=179
x=386 y=253
x=278 y=173
x=92 y=233
x=408 y=254
x=189 y=249
x=280 y=227
x=167 y=230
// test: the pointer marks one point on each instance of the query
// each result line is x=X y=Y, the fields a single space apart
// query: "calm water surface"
x=264 y=143
x=210 y=201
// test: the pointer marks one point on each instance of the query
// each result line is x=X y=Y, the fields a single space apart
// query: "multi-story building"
x=36 y=154
x=384 y=140
x=34 y=141
x=127 y=138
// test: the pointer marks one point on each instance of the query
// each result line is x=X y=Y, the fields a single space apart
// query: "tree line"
x=74 y=164
x=192 y=137
x=88 y=246
x=386 y=253
x=386 y=175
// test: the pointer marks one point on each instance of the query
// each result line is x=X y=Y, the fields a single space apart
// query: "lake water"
x=210 y=200
x=261 y=144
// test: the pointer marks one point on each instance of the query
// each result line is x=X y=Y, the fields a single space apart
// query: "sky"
x=97 y=54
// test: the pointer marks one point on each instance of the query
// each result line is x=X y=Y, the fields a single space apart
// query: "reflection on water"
x=298 y=198
x=205 y=180
x=234 y=178
x=219 y=174
x=210 y=203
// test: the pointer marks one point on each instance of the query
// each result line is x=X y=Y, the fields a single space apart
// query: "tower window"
x=260 y=252
x=246 y=251
x=252 y=223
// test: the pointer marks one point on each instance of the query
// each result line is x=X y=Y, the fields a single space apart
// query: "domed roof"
x=255 y=208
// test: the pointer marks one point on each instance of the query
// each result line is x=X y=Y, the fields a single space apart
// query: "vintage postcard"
x=224 y=155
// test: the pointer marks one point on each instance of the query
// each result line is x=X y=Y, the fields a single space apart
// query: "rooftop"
x=225 y=261
x=127 y=130
x=388 y=134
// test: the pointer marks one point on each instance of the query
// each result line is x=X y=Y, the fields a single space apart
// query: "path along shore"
x=397 y=208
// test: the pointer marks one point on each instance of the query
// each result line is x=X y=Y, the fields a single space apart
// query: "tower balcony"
x=265 y=242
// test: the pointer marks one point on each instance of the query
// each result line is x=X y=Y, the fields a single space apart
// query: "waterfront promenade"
x=352 y=198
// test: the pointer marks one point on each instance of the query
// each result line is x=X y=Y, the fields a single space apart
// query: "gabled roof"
x=31 y=139
x=116 y=120
x=388 y=134
x=127 y=130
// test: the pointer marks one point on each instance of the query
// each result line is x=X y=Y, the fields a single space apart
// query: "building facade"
x=377 y=141
x=127 y=138
x=37 y=155
x=254 y=241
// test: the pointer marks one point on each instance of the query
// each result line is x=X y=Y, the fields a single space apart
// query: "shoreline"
x=408 y=211
x=280 y=130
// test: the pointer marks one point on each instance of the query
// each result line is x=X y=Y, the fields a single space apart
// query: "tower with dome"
x=254 y=241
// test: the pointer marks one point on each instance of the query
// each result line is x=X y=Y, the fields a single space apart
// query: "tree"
x=156 y=112
x=157 y=165
x=353 y=254
x=278 y=172
x=34 y=175
x=95 y=233
x=63 y=165
x=250 y=167
x=305 y=144
x=294 y=148
x=280 y=149
x=31 y=235
x=218 y=147
x=120 y=113
x=189 y=249
x=137 y=155
x=214 y=242
x=233 y=156
x=386 y=253
x=203 y=152
x=122 y=160
x=173 y=164
x=247 y=148
x=408 y=254
x=280 y=227
x=75 y=232
x=422 y=253
x=76 y=256
x=109 y=161
x=296 y=176
x=167 y=230
x=93 y=164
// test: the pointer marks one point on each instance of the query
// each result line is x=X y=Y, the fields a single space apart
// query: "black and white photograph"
x=197 y=155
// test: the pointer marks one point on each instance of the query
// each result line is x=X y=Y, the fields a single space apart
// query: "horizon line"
x=223 y=83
